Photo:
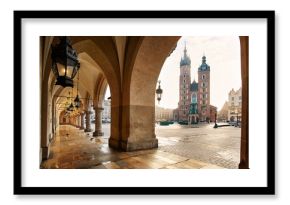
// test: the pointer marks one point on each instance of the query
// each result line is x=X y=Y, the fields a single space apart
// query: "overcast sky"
x=223 y=56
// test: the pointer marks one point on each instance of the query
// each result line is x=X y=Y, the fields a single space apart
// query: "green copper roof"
x=194 y=86
x=204 y=66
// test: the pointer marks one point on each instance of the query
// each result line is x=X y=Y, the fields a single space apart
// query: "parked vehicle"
x=232 y=123
x=183 y=122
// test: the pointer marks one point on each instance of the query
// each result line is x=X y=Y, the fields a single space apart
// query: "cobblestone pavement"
x=180 y=147
x=219 y=146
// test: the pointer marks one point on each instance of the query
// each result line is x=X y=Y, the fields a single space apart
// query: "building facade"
x=235 y=105
x=106 y=113
x=212 y=113
x=163 y=114
x=194 y=98
x=193 y=117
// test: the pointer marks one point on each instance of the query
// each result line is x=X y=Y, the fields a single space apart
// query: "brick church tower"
x=204 y=91
x=194 y=98
x=184 y=87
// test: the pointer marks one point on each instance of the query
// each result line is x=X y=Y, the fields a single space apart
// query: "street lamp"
x=70 y=108
x=215 y=125
x=65 y=64
x=159 y=92
x=77 y=101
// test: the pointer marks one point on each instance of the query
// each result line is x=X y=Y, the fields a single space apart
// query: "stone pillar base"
x=113 y=143
x=88 y=130
x=44 y=153
x=133 y=146
x=98 y=133
x=244 y=165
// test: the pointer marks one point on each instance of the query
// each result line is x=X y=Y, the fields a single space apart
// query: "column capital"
x=88 y=112
x=98 y=108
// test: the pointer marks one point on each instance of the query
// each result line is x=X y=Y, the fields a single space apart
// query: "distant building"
x=235 y=105
x=194 y=98
x=223 y=113
x=106 y=113
x=176 y=114
x=162 y=114
x=212 y=113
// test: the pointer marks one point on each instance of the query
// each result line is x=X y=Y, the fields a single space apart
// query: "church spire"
x=203 y=59
x=185 y=60
x=185 y=50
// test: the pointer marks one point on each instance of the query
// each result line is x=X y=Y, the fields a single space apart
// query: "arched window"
x=194 y=98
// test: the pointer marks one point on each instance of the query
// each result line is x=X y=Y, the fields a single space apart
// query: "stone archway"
x=138 y=109
x=131 y=66
x=95 y=60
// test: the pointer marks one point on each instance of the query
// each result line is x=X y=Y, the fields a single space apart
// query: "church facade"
x=194 y=97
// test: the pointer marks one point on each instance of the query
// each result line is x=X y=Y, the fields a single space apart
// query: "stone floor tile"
x=190 y=148
x=111 y=165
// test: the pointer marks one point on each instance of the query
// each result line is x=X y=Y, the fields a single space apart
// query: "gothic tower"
x=184 y=87
x=204 y=91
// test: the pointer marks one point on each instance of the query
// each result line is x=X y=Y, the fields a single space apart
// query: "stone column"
x=88 y=121
x=79 y=121
x=244 y=154
x=82 y=121
x=74 y=121
x=98 y=121
x=138 y=128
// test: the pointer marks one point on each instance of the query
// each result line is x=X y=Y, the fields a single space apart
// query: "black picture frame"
x=19 y=189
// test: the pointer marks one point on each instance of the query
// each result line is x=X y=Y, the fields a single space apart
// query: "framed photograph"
x=144 y=102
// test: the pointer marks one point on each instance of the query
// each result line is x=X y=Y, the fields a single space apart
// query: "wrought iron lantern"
x=70 y=108
x=77 y=100
x=65 y=63
x=159 y=92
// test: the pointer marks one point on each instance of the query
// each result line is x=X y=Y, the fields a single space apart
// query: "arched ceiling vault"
x=102 y=57
x=144 y=75
x=120 y=46
x=100 y=90
x=102 y=51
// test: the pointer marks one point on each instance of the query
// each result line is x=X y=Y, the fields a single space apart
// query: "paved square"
x=202 y=142
x=180 y=147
